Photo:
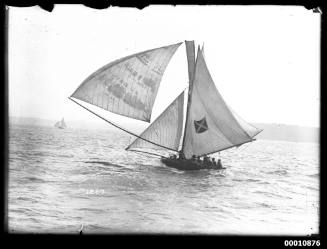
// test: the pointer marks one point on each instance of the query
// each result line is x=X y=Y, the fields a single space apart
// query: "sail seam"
x=234 y=113
x=226 y=107
x=162 y=62
x=142 y=110
x=210 y=114
x=118 y=61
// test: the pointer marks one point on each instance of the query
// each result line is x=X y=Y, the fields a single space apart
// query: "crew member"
x=219 y=164
x=214 y=164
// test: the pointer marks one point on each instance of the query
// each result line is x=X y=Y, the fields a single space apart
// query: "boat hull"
x=184 y=164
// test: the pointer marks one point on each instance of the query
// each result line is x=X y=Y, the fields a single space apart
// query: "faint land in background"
x=280 y=132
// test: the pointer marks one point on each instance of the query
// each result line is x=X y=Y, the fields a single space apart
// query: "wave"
x=34 y=179
x=105 y=163
x=21 y=198
x=92 y=226
x=312 y=188
x=246 y=180
x=65 y=156
x=314 y=175
x=26 y=155
x=263 y=204
x=279 y=172
x=271 y=194
x=95 y=210
x=20 y=210
x=56 y=167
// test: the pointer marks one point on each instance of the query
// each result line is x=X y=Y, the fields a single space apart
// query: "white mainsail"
x=165 y=131
x=128 y=86
x=210 y=125
x=247 y=127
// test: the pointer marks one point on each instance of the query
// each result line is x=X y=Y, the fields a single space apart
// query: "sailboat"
x=129 y=86
x=60 y=124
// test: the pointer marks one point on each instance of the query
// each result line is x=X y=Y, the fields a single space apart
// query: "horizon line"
x=77 y=120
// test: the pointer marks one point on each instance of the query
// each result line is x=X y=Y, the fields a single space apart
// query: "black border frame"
x=194 y=240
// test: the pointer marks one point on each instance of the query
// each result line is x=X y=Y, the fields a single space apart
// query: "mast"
x=190 y=53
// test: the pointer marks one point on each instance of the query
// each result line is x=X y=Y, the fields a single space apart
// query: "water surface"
x=60 y=179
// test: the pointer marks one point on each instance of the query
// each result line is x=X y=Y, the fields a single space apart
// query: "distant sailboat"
x=61 y=124
x=129 y=86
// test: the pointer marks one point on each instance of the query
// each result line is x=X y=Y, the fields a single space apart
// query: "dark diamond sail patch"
x=201 y=125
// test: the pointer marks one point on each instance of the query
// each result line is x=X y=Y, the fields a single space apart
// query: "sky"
x=264 y=60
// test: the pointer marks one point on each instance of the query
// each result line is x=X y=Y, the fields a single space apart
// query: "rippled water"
x=61 y=179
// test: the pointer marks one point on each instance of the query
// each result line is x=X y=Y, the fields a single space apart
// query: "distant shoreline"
x=277 y=132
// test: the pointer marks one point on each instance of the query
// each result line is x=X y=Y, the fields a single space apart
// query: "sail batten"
x=128 y=86
x=166 y=130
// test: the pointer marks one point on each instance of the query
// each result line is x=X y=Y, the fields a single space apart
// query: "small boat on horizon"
x=61 y=124
x=129 y=86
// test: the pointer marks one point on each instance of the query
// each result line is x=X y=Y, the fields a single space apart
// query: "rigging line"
x=154 y=124
x=154 y=154
x=227 y=148
x=245 y=147
x=120 y=127
x=261 y=130
x=238 y=150
x=236 y=114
